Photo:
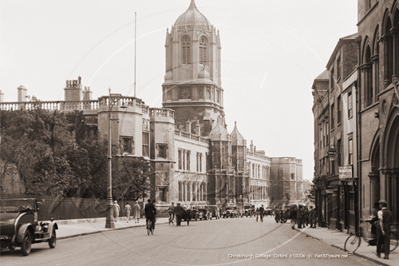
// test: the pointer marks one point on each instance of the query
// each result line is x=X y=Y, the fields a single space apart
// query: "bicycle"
x=150 y=227
x=353 y=242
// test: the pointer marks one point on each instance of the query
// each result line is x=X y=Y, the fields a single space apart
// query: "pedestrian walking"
x=117 y=208
x=136 y=212
x=305 y=216
x=384 y=230
x=293 y=215
x=179 y=214
x=299 y=215
x=313 y=217
x=171 y=212
x=128 y=210
x=188 y=215
x=257 y=213
x=150 y=214
x=261 y=211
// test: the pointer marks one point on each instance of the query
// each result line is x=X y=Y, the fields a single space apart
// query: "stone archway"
x=391 y=156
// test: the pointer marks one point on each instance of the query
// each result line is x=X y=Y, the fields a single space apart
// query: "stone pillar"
x=198 y=128
x=191 y=191
x=188 y=127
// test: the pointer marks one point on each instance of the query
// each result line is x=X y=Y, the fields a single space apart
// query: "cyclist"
x=150 y=213
x=171 y=212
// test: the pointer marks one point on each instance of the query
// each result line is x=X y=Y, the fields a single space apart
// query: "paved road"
x=201 y=243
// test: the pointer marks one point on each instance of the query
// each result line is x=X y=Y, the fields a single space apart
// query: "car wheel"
x=26 y=244
x=53 y=240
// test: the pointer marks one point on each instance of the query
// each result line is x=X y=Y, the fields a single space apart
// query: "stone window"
x=350 y=109
x=332 y=116
x=186 y=49
x=179 y=155
x=162 y=150
x=350 y=150
x=332 y=79
x=338 y=68
x=127 y=144
x=202 y=47
x=339 y=109
x=162 y=194
x=146 y=144
x=188 y=160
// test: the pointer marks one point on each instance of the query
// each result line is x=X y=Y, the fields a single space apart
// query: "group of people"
x=177 y=212
x=135 y=211
x=303 y=217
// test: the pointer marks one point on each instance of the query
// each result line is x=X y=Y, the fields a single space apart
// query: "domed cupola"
x=204 y=74
x=192 y=17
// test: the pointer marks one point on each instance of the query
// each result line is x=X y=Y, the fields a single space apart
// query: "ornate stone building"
x=195 y=159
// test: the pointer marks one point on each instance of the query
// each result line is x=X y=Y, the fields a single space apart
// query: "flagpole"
x=135 y=30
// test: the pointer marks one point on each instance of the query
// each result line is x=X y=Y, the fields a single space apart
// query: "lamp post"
x=109 y=221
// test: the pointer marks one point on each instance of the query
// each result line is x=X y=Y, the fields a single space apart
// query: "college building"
x=196 y=160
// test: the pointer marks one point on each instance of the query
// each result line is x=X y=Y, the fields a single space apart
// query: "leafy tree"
x=131 y=178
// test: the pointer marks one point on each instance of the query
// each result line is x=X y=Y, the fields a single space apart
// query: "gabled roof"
x=219 y=131
x=236 y=137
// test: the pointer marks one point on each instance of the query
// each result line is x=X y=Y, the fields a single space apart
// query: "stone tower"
x=192 y=84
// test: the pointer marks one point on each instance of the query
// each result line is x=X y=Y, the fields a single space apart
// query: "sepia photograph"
x=258 y=132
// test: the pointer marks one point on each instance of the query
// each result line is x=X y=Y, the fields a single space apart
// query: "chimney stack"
x=251 y=147
x=21 y=93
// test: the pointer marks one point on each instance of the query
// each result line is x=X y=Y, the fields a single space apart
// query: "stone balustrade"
x=190 y=136
x=61 y=106
x=161 y=112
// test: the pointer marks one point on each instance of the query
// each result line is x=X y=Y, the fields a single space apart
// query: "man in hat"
x=261 y=211
x=384 y=229
x=179 y=214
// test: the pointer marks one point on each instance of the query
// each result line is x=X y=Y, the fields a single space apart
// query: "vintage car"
x=19 y=225
x=249 y=211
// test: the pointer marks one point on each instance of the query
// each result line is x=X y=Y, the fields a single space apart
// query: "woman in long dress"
x=136 y=212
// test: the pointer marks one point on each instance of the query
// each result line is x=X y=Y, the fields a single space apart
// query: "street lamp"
x=109 y=221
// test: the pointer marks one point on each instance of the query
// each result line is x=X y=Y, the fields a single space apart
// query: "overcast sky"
x=271 y=52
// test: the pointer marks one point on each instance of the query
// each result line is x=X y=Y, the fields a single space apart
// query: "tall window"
x=186 y=50
x=332 y=79
x=339 y=152
x=146 y=144
x=179 y=155
x=184 y=160
x=368 y=79
x=350 y=110
x=388 y=54
x=332 y=116
x=180 y=192
x=188 y=160
x=350 y=150
x=338 y=68
x=202 y=47
x=339 y=108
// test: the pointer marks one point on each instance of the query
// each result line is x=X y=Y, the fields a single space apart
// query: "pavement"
x=81 y=227
x=76 y=228
x=337 y=239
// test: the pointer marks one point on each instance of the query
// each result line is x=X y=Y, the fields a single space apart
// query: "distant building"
x=197 y=162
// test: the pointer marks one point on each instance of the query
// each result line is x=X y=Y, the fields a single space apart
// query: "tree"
x=131 y=178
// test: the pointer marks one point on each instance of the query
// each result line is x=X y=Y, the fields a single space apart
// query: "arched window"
x=388 y=53
x=186 y=49
x=375 y=59
x=202 y=47
x=368 y=78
